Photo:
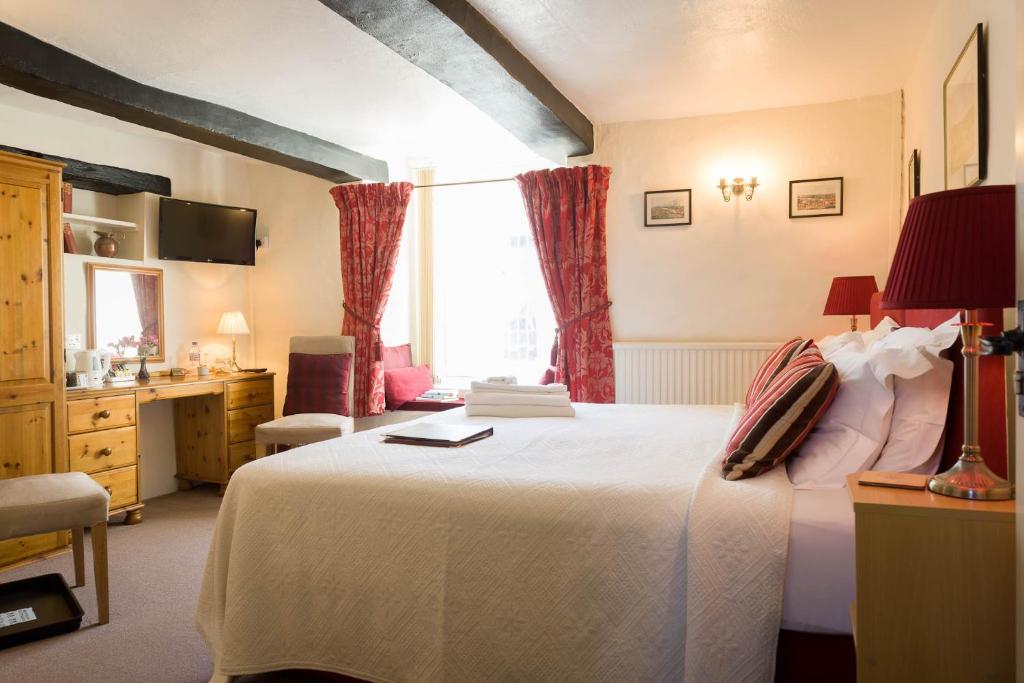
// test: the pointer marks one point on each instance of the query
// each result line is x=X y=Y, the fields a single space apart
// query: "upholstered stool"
x=305 y=428
x=53 y=502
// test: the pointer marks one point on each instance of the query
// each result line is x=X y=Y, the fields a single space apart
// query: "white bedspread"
x=554 y=550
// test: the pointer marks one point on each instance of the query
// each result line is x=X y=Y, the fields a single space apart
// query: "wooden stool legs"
x=78 y=548
x=99 y=570
x=98 y=532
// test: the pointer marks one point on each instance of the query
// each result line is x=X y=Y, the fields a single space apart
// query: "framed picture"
x=914 y=175
x=816 y=197
x=667 y=207
x=965 y=115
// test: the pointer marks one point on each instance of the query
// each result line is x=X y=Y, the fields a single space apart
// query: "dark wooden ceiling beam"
x=454 y=43
x=99 y=178
x=37 y=67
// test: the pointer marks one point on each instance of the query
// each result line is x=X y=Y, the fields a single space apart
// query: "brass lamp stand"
x=970 y=477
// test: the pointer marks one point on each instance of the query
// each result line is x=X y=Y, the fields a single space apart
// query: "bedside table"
x=935 y=586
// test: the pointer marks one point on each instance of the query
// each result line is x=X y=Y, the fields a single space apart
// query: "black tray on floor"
x=56 y=608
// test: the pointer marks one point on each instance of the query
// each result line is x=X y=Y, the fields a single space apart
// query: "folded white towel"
x=509 y=398
x=522 y=388
x=520 y=411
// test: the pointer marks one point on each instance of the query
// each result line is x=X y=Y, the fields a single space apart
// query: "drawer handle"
x=252 y=394
x=108 y=490
x=105 y=451
x=103 y=415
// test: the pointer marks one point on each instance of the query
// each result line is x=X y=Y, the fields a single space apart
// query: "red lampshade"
x=850 y=295
x=956 y=251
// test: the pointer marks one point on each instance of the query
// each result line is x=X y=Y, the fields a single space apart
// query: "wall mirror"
x=125 y=310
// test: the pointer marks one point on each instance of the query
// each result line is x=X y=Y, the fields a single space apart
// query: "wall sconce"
x=738 y=186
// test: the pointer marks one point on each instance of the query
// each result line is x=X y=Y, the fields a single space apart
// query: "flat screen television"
x=207 y=233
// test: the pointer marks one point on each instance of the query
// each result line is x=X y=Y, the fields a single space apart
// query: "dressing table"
x=214 y=420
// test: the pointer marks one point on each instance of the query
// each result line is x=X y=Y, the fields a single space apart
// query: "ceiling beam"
x=99 y=178
x=455 y=44
x=29 y=64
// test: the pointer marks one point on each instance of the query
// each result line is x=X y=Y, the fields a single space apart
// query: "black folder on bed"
x=441 y=435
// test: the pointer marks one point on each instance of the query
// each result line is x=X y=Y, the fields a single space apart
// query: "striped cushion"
x=781 y=418
x=318 y=383
x=773 y=364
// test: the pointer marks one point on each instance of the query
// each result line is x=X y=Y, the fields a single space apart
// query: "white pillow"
x=850 y=435
x=836 y=342
x=919 y=412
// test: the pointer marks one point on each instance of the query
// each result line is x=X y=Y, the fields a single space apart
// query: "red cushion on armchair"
x=318 y=383
x=402 y=385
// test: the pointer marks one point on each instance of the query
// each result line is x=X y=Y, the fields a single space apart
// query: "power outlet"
x=74 y=342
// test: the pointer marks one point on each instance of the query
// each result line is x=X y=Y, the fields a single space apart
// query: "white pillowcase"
x=919 y=415
x=835 y=342
x=850 y=435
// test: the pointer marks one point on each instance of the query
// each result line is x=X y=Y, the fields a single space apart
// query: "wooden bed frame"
x=803 y=656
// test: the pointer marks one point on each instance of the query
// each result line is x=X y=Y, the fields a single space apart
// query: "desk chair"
x=306 y=428
x=42 y=503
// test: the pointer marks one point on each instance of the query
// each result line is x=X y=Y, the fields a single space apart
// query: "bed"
x=605 y=547
x=559 y=548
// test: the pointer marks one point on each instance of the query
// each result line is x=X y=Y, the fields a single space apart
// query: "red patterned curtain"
x=371 y=217
x=145 y=301
x=566 y=208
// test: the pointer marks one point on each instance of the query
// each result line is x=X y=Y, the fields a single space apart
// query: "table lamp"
x=957 y=251
x=850 y=295
x=233 y=323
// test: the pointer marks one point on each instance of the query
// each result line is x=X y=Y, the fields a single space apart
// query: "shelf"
x=121 y=226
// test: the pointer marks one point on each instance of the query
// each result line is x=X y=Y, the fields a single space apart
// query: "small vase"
x=143 y=373
x=105 y=245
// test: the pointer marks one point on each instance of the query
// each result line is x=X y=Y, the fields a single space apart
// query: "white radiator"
x=690 y=373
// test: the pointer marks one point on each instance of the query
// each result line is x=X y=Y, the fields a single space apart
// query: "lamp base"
x=971 y=478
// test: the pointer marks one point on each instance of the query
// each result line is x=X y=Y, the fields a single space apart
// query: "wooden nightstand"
x=935 y=586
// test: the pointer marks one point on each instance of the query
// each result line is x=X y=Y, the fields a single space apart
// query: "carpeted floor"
x=155 y=570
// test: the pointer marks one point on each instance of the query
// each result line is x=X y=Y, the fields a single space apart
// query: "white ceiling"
x=298 y=64
x=292 y=62
x=651 y=59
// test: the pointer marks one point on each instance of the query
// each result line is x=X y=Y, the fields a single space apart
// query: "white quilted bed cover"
x=554 y=550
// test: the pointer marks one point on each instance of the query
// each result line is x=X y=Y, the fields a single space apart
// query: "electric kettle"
x=94 y=362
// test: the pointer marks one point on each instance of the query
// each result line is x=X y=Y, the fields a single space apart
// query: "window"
x=491 y=312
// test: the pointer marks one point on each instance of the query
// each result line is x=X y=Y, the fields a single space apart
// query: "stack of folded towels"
x=498 y=399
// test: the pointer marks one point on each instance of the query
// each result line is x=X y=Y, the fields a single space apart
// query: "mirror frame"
x=90 y=302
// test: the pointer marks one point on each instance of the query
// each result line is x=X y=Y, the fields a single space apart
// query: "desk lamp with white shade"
x=233 y=323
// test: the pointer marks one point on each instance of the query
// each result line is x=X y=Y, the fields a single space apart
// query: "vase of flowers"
x=147 y=347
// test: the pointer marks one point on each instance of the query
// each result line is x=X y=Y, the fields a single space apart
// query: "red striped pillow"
x=318 y=383
x=782 y=416
x=773 y=364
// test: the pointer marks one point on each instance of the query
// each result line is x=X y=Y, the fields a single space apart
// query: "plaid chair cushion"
x=318 y=383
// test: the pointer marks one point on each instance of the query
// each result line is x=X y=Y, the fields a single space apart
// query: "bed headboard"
x=992 y=398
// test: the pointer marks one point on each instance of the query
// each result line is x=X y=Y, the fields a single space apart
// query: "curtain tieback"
x=378 y=345
x=574 y=321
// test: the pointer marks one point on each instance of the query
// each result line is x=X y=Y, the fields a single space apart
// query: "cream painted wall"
x=297 y=290
x=940 y=44
x=195 y=294
x=745 y=271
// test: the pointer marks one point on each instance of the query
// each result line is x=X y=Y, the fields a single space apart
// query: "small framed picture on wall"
x=914 y=175
x=816 y=197
x=667 y=207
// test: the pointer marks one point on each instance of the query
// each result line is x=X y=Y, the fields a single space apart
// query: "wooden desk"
x=935 y=586
x=214 y=421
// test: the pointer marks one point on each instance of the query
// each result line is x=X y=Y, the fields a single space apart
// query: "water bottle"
x=195 y=357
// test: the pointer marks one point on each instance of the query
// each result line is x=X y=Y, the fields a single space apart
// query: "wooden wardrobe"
x=32 y=423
